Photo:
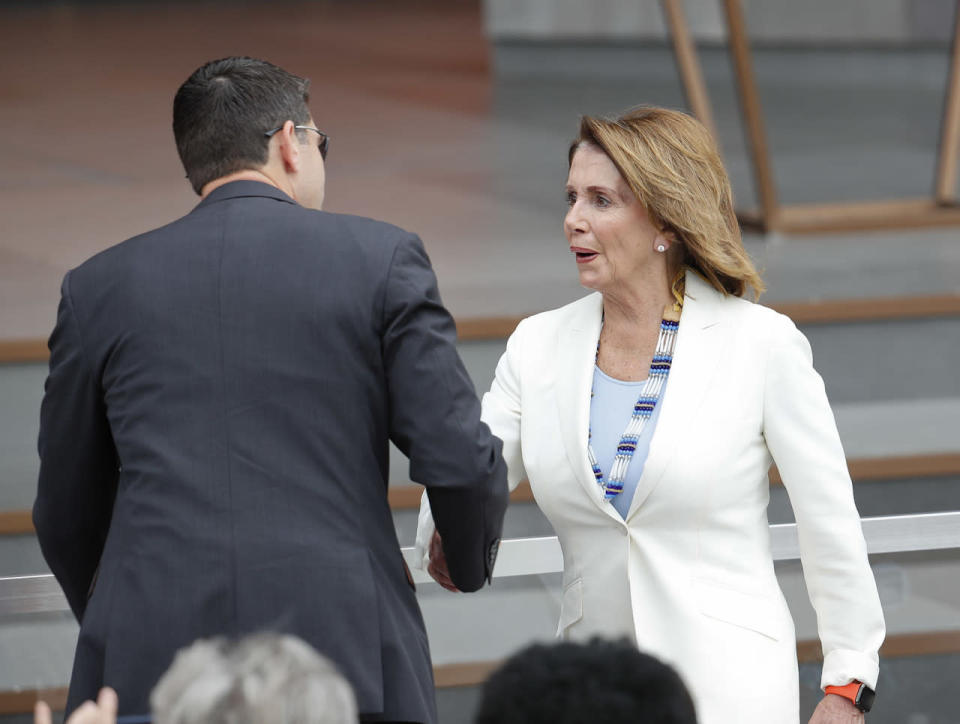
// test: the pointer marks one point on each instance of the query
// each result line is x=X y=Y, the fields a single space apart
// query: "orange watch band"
x=847 y=691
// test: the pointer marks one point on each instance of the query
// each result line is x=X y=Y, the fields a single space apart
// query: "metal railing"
x=28 y=595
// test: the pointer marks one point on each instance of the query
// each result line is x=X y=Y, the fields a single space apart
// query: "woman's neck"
x=638 y=305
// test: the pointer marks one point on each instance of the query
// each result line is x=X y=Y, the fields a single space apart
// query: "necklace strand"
x=650 y=395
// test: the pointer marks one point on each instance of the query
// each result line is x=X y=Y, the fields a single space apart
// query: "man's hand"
x=103 y=712
x=438 y=564
x=834 y=709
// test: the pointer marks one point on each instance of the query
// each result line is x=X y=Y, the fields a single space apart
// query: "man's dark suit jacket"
x=214 y=445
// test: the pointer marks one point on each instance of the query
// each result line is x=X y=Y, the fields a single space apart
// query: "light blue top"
x=610 y=411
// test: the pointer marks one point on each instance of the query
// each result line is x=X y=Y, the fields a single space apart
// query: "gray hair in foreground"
x=262 y=678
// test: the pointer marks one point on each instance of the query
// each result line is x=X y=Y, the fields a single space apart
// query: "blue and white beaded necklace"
x=650 y=395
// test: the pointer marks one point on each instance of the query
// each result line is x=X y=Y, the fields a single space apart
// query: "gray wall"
x=859 y=22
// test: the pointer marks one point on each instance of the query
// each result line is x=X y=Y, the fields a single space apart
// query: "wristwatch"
x=860 y=694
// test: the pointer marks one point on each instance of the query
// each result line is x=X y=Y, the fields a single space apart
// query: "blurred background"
x=452 y=119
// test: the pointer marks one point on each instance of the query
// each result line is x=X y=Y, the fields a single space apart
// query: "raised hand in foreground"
x=103 y=712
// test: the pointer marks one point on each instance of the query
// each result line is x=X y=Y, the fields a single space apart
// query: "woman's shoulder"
x=761 y=322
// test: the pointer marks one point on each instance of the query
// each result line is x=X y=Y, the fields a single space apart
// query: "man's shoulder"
x=116 y=253
x=362 y=227
x=362 y=233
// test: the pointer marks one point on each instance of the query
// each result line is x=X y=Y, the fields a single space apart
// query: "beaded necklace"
x=650 y=395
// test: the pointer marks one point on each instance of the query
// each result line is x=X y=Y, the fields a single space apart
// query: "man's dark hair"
x=601 y=682
x=223 y=110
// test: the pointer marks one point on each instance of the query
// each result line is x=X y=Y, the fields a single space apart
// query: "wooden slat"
x=934 y=643
x=22 y=702
x=480 y=328
x=450 y=675
x=407 y=497
x=865 y=470
x=861 y=215
x=808 y=651
x=688 y=63
x=906 y=466
x=862 y=470
x=23 y=350
x=16 y=522
x=945 y=186
x=752 y=114
x=822 y=311
x=875 y=309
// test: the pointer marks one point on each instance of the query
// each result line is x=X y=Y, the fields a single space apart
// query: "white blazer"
x=689 y=574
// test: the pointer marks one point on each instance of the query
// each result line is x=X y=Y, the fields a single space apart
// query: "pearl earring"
x=661 y=248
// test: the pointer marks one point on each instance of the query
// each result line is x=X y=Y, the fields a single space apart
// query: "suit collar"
x=699 y=348
x=696 y=354
x=241 y=189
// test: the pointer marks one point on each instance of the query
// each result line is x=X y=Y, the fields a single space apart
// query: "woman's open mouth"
x=583 y=255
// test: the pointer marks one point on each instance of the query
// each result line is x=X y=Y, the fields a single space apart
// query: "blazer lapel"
x=576 y=357
x=700 y=346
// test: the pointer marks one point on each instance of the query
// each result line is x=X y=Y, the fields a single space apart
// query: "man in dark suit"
x=222 y=390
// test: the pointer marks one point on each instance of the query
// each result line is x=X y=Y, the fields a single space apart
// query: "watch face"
x=865 y=698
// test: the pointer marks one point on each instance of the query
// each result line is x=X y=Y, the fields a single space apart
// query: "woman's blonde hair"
x=671 y=163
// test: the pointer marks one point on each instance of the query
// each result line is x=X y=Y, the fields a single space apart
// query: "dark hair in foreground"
x=600 y=682
x=223 y=110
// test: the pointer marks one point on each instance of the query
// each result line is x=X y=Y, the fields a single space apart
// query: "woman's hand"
x=103 y=712
x=834 y=709
x=438 y=564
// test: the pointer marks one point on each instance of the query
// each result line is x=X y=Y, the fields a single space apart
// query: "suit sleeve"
x=501 y=411
x=78 y=463
x=802 y=437
x=435 y=419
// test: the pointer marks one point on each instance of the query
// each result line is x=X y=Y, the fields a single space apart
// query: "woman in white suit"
x=646 y=416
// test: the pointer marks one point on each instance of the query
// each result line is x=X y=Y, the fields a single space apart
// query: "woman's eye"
x=603 y=201
x=571 y=199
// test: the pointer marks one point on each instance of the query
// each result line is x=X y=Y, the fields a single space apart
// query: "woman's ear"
x=664 y=239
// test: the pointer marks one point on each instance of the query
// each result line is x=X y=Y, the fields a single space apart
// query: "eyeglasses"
x=323 y=144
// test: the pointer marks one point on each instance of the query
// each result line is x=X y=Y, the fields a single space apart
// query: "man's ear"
x=289 y=147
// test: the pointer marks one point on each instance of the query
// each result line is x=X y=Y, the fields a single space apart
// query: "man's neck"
x=245 y=175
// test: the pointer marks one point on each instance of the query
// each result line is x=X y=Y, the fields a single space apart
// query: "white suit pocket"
x=571 y=608
x=749 y=611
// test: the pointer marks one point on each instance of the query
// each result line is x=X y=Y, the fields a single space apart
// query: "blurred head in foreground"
x=261 y=679
x=601 y=682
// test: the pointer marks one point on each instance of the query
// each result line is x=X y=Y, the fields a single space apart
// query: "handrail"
x=28 y=595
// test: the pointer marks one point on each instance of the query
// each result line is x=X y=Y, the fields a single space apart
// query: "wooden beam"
x=931 y=643
x=808 y=651
x=873 y=309
x=688 y=64
x=23 y=701
x=480 y=328
x=752 y=114
x=821 y=311
x=865 y=470
x=16 y=522
x=407 y=497
x=23 y=350
x=861 y=215
x=945 y=186
x=905 y=466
